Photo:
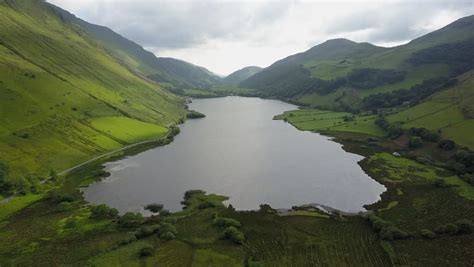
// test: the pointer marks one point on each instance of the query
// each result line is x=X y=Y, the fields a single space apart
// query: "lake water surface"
x=240 y=152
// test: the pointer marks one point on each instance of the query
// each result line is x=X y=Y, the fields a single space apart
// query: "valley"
x=347 y=154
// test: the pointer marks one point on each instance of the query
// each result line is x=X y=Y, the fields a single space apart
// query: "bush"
x=446 y=144
x=143 y=232
x=167 y=236
x=103 y=212
x=465 y=226
x=5 y=185
x=392 y=233
x=58 y=197
x=65 y=206
x=386 y=229
x=231 y=233
x=449 y=228
x=427 y=234
x=172 y=220
x=146 y=251
x=154 y=207
x=415 y=142
x=226 y=222
x=165 y=212
x=167 y=227
x=206 y=205
x=131 y=219
x=129 y=238
x=441 y=183
x=188 y=194
x=192 y=114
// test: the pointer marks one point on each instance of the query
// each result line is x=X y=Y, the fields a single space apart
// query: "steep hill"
x=238 y=76
x=62 y=94
x=179 y=73
x=339 y=73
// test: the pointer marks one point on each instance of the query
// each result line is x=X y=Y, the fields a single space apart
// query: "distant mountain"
x=339 y=73
x=292 y=75
x=241 y=75
x=165 y=70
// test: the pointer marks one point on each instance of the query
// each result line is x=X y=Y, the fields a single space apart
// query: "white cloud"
x=227 y=35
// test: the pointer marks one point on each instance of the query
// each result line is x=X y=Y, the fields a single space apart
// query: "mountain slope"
x=449 y=112
x=165 y=70
x=339 y=73
x=61 y=92
x=240 y=75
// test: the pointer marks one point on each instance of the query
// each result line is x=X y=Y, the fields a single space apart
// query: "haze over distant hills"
x=240 y=75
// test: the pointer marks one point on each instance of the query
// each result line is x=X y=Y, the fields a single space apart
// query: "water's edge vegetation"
x=415 y=211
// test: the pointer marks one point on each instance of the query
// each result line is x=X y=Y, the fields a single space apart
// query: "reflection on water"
x=240 y=152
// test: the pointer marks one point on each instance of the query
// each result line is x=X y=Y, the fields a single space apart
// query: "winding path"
x=10 y=198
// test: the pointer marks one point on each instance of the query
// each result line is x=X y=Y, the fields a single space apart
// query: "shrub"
x=378 y=223
x=167 y=227
x=427 y=234
x=143 y=232
x=154 y=207
x=167 y=236
x=146 y=251
x=231 y=233
x=129 y=238
x=172 y=220
x=449 y=228
x=465 y=226
x=65 y=206
x=58 y=197
x=188 y=194
x=386 y=229
x=440 y=183
x=226 y=222
x=392 y=233
x=446 y=144
x=131 y=219
x=165 y=212
x=103 y=212
x=415 y=142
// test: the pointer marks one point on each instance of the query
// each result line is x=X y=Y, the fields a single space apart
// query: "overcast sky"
x=224 y=36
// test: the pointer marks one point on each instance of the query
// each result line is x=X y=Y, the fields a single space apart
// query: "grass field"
x=62 y=80
x=128 y=130
x=323 y=120
x=449 y=112
x=421 y=205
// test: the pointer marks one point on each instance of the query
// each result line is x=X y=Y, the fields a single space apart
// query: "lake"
x=239 y=151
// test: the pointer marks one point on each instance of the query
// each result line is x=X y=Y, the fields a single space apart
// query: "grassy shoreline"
x=62 y=235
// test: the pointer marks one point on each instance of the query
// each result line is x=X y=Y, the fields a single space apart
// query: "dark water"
x=240 y=152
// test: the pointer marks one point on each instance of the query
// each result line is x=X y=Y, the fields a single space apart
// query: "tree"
x=131 y=219
x=415 y=142
x=427 y=234
x=167 y=236
x=146 y=251
x=5 y=185
x=143 y=232
x=103 y=212
x=465 y=226
x=154 y=207
x=446 y=144
x=231 y=233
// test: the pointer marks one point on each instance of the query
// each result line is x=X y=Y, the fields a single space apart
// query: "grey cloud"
x=185 y=24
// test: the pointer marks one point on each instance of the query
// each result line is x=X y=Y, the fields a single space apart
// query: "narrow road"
x=10 y=198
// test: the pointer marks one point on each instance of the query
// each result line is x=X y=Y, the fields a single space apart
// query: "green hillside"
x=449 y=112
x=238 y=76
x=339 y=74
x=179 y=73
x=60 y=90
